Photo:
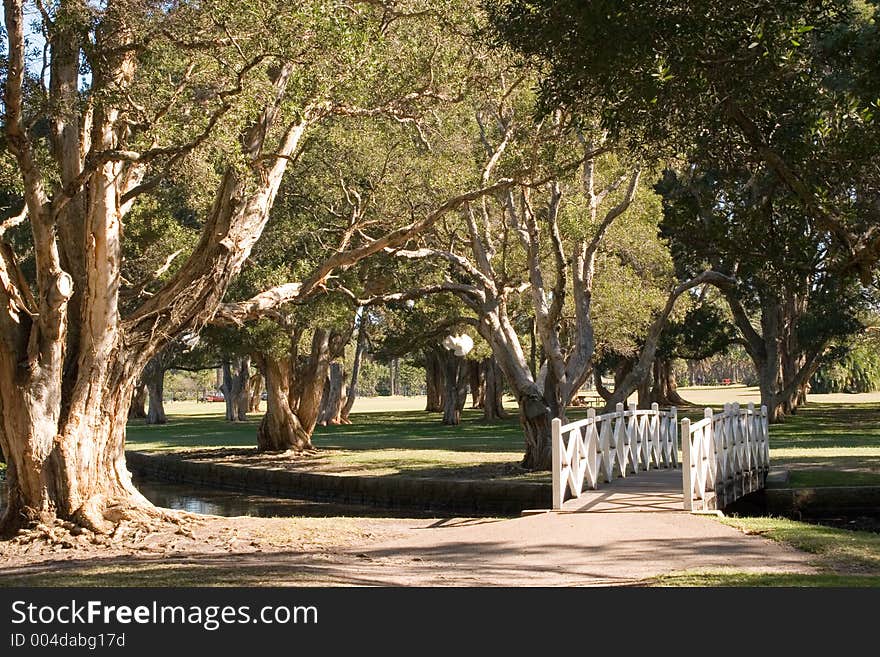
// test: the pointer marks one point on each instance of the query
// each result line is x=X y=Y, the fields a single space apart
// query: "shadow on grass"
x=394 y=430
x=406 y=463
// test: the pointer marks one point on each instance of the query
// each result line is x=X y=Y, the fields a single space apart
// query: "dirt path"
x=541 y=550
x=574 y=549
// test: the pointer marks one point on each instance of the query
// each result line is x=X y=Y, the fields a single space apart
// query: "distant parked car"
x=264 y=396
x=215 y=397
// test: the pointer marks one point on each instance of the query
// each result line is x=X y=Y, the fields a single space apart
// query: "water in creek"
x=212 y=501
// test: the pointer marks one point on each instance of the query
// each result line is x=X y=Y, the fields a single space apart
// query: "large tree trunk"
x=69 y=361
x=255 y=392
x=235 y=388
x=493 y=391
x=455 y=387
x=434 y=379
x=665 y=388
x=138 y=408
x=535 y=420
x=294 y=396
x=477 y=376
x=360 y=348
x=280 y=429
x=79 y=473
x=333 y=398
x=154 y=379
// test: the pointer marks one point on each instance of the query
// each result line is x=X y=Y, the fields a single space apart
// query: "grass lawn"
x=389 y=443
x=843 y=557
x=828 y=443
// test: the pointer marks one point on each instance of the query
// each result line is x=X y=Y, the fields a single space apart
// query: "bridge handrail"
x=609 y=445
x=724 y=456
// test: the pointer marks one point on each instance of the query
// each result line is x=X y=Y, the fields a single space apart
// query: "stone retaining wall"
x=393 y=492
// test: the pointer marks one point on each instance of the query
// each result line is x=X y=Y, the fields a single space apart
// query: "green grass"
x=409 y=443
x=842 y=557
x=738 y=578
x=829 y=445
x=818 y=478
x=389 y=430
x=823 y=445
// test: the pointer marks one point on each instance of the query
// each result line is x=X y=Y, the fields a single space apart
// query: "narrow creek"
x=217 y=502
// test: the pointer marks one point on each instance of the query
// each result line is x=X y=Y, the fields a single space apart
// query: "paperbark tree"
x=255 y=391
x=455 y=382
x=488 y=289
x=493 y=390
x=236 y=377
x=294 y=387
x=787 y=303
x=154 y=379
x=333 y=397
x=138 y=408
x=434 y=380
x=70 y=352
x=360 y=348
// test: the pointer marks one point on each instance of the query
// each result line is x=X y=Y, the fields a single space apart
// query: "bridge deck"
x=652 y=491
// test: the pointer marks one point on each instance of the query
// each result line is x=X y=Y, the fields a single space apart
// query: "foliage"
x=851 y=366
x=787 y=87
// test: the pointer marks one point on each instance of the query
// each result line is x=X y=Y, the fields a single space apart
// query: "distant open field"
x=699 y=396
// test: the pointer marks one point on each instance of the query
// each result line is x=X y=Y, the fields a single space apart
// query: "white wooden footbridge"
x=628 y=460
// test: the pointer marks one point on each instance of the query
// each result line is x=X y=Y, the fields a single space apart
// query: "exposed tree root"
x=119 y=524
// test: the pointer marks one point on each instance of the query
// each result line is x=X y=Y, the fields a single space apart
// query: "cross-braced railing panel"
x=601 y=447
x=724 y=456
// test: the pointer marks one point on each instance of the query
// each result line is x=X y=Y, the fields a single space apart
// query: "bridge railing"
x=724 y=456
x=602 y=447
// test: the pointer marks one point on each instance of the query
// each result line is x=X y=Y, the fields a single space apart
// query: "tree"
x=183 y=87
x=787 y=303
x=850 y=366
x=789 y=84
x=543 y=241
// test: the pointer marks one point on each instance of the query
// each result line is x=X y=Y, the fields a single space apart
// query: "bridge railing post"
x=687 y=483
x=556 y=455
x=713 y=446
x=632 y=438
x=621 y=448
x=672 y=436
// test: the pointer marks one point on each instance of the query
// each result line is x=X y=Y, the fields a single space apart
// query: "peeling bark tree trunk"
x=477 y=376
x=493 y=397
x=434 y=380
x=455 y=387
x=69 y=361
x=138 y=409
x=255 y=392
x=360 y=348
x=333 y=398
x=280 y=429
x=154 y=379
x=235 y=388
x=294 y=395
x=535 y=420
x=664 y=390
